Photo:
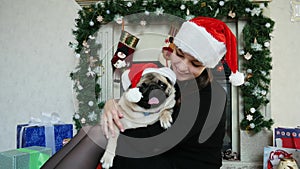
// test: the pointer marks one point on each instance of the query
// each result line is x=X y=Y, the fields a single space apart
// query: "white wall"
x=285 y=48
x=35 y=62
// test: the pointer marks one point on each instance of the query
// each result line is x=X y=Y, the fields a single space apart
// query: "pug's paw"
x=165 y=119
x=107 y=159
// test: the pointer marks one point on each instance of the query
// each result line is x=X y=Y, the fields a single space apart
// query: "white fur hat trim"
x=196 y=41
x=165 y=71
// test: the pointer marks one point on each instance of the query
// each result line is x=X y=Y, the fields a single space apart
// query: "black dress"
x=188 y=153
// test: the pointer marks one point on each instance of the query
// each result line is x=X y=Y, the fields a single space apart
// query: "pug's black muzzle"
x=153 y=95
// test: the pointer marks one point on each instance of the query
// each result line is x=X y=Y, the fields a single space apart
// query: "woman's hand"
x=111 y=116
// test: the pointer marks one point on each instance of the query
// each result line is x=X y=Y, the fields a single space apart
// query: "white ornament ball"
x=129 y=4
x=263 y=73
x=263 y=92
x=182 y=7
x=195 y=2
x=90 y=103
x=249 y=70
x=268 y=25
x=92 y=23
x=267 y=44
x=76 y=116
x=252 y=110
x=252 y=125
x=221 y=3
x=247 y=83
x=107 y=11
x=147 y=13
x=91 y=37
x=242 y=52
x=77 y=55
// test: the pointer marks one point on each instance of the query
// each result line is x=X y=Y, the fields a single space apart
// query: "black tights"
x=83 y=151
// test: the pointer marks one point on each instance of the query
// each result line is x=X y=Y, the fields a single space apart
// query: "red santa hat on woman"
x=208 y=40
x=132 y=76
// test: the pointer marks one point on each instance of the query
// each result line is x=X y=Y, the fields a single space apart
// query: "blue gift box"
x=51 y=136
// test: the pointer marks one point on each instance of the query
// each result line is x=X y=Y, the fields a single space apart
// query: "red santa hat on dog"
x=208 y=40
x=132 y=76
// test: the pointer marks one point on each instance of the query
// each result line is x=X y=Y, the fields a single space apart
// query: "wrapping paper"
x=25 y=158
x=287 y=137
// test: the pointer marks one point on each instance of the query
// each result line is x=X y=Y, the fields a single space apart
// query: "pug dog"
x=152 y=99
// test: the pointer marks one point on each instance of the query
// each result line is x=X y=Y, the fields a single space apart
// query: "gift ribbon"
x=50 y=138
x=36 y=158
x=47 y=120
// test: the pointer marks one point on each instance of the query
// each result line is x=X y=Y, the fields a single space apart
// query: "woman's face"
x=185 y=66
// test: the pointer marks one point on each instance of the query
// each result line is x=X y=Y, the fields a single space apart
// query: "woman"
x=200 y=44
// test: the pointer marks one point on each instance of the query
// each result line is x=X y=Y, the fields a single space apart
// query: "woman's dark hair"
x=204 y=79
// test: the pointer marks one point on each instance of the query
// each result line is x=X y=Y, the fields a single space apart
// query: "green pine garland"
x=255 y=55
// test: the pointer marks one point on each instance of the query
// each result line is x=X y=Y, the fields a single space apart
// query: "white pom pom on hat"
x=208 y=40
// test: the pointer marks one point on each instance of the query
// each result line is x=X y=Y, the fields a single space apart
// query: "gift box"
x=25 y=158
x=273 y=155
x=287 y=137
x=51 y=136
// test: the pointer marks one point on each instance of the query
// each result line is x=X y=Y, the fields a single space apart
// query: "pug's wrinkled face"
x=155 y=89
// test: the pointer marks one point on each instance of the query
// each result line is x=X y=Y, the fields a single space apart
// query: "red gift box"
x=287 y=137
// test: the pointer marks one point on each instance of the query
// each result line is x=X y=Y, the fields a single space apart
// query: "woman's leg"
x=58 y=156
x=83 y=152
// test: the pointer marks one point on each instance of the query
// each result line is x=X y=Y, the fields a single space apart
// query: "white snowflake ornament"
x=249 y=117
x=143 y=23
x=83 y=120
x=90 y=72
x=99 y=18
x=92 y=116
x=159 y=11
x=255 y=11
x=248 y=56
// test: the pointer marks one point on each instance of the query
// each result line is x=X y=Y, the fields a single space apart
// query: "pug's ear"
x=169 y=81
